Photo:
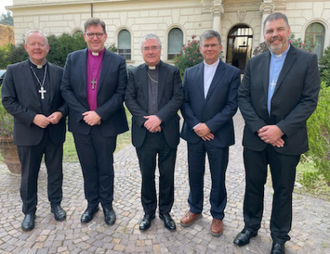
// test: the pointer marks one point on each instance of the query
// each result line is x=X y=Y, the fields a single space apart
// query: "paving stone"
x=310 y=229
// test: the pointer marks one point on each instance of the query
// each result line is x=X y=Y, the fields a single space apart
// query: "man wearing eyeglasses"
x=210 y=90
x=154 y=95
x=93 y=86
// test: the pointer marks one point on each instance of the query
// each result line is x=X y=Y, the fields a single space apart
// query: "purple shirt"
x=94 y=66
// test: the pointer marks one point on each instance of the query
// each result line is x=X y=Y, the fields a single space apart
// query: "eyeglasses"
x=152 y=48
x=213 y=46
x=91 y=35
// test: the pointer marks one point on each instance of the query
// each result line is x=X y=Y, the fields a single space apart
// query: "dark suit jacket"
x=22 y=100
x=294 y=100
x=110 y=93
x=170 y=97
x=216 y=110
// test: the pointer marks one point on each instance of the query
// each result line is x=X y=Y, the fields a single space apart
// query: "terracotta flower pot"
x=9 y=155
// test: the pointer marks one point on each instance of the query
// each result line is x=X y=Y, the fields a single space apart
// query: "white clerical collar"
x=212 y=65
x=38 y=65
x=281 y=55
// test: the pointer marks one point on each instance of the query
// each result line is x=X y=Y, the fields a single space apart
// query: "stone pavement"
x=310 y=232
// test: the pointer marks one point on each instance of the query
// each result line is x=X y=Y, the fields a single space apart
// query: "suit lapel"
x=216 y=79
x=83 y=73
x=265 y=74
x=162 y=75
x=200 y=78
x=105 y=65
x=52 y=77
x=144 y=80
x=29 y=82
x=289 y=60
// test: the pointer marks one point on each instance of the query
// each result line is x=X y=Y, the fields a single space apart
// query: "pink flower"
x=194 y=61
x=176 y=60
x=290 y=41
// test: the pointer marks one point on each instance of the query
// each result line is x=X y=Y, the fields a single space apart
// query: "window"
x=124 y=44
x=175 y=41
x=314 y=36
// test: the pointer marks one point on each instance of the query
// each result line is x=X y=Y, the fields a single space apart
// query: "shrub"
x=297 y=43
x=319 y=137
x=188 y=56
x=324 y=64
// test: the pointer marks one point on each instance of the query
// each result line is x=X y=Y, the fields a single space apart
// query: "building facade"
x=175 y=21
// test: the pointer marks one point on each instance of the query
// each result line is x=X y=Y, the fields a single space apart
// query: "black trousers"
x=155 y=144
x=95 y=153
x=218 y=161
x=283 y=172
x=30 y=158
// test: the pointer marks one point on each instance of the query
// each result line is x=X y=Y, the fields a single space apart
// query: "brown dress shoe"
x=189 y=218
x=216 y=227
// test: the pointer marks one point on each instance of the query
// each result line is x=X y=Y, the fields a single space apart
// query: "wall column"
x=217 y=10
x=266 y=8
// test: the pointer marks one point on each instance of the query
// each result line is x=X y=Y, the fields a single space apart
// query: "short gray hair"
x=35 y=32
x=151 y=37
x=209 y=34
x=276 y=16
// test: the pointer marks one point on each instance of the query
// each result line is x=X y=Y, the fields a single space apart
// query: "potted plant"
x=7 y=147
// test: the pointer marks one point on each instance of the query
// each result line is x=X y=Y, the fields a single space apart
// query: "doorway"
x=239 y=46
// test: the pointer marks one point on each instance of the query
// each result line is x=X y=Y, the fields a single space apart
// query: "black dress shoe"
x=168 y=221
x=58 y=212
x=109 y=216
x=28 y=222
x=277 y=248
x=146 y=222
x=244 y=237
x=88 y=215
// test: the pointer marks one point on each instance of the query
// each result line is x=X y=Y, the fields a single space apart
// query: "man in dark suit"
x=278 y=94
x=210 y=90
x=31 y=93
x=93 y=86
x=154 y=95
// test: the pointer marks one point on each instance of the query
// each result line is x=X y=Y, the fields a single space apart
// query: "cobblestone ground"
x=310 y=232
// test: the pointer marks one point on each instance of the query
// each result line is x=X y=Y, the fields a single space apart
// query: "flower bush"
x=189 y=55
x=297 y=43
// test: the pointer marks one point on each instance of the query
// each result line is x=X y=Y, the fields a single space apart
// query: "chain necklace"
x=155 y=81
x=42 y=91
x=93 y=81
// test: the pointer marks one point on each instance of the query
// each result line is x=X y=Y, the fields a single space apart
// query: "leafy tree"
x=6 y=19
x=324 y=64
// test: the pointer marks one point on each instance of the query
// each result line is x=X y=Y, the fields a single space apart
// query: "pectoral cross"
x=42 y=91
x=272 y=86
x=93 y=82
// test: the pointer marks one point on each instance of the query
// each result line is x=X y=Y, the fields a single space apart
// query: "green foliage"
x=6 y=121
x=297 y=43
x=6 y=19
x=113 y=48
x=188 y=56
x=324 y=64
x=319 y=138
x=61 y=46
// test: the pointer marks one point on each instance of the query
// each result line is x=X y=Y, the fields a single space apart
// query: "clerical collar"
x=214 y=64
x=281 y=55
x=96 y=53
x=36 y=65
x=154 y=67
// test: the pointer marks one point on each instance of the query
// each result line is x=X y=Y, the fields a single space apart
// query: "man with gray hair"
x=210 y=102
x=31 y=93
x=278 y=94
x=154 y=96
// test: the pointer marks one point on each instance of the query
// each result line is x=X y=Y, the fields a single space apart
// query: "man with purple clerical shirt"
x=93 y=86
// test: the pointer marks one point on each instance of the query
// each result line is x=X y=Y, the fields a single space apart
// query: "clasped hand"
x=204 y=132
x=153 y=123
x=43 y=121
x=92 y=118
x=271 y=134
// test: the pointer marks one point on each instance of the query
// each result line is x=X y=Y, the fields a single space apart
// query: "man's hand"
x=271 y=134
x=92 y=118
x=41 y=121
x=55 y=117
x=153 y=123
x=204 y=132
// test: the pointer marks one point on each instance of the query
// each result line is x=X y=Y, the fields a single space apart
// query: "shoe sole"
x=189 y=224
x=216 y=234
